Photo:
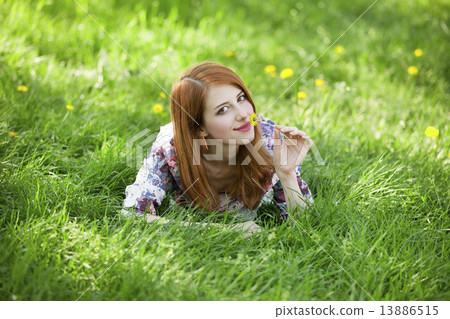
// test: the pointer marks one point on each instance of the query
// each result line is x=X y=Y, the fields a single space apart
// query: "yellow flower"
x=319 y=82
x=253 y=119
x=69 y=107
x=301 y=94
x=286 y=73
x=163 y=95
x=413 y=70
x=339 y=49
x=270 y=68
x=229 y=53
x=418 y=52
x=157 y=108
x=22 y=88
x=432 y=132
x=13 y=134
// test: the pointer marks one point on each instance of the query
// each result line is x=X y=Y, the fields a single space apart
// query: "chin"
x=250 y=137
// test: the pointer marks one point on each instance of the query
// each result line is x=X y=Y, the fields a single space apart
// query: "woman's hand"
x=290 y=154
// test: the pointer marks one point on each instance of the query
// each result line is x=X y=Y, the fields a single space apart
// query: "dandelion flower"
x=270 y=68
x=69 y=107
x=301 y=95
x=319 y=82
x=13 y=134
x=229 y=53
x=22 y=88
x=163 y=95
x=418 y=52
x=413 y=70
x=286 y=73
x=339 y=49
x=432 y=132
x=253 y=119
x=157 y=108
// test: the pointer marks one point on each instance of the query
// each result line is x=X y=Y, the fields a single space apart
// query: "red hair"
x=187 y=106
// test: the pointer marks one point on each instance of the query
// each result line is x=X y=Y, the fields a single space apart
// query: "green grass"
x=381 y=199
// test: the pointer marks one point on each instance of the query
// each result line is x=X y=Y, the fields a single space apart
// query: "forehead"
x=219 y=94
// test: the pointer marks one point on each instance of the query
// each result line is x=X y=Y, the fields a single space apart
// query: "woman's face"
x=226 y=109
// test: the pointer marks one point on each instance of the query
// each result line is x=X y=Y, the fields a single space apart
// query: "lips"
x=244 y=127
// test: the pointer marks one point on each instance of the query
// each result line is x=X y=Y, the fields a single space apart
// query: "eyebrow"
x=227 y=101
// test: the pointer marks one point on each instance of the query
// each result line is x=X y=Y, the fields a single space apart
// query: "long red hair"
x=186 y=105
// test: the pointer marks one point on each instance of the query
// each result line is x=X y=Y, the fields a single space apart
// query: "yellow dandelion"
x=229 y=53
x=418 y=52
x=13 y=134
x=157 y=108
x=339 y=49
x=22 y=88
x=319 y=82
x=413 y=70
x=253 y=119
x=69 y=107
x=270 y=68
x=163 y=95
x=301 y=95
x=286 y=73
x=431 y=131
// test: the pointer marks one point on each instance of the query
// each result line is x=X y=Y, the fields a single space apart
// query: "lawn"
x=76 y=86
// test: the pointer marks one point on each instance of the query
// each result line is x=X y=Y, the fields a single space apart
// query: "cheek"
x=220 y=128
x=249 y=108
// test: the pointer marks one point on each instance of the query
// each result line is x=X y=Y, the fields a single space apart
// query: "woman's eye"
x=221 y=110
x=243 y=95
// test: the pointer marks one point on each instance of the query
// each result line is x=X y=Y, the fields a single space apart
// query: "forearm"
x=293 y=195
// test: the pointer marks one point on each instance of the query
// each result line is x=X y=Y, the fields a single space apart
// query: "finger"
x=277 y=133
x=288 y=129
x=276 y=144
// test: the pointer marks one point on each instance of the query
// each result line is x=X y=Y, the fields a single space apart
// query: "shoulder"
x=165 y=136
x=162 y=148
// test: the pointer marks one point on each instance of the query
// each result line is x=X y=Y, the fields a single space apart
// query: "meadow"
x=76 y=86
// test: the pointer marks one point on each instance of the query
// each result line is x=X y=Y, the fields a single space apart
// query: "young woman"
x=218 y=154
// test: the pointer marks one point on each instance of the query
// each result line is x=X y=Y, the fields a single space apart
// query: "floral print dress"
x=159 y=176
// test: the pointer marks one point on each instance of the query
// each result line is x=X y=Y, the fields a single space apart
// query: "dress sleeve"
x=151 y=183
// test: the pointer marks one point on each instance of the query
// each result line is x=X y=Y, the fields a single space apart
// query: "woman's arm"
x=288 y=155
x=293 y=195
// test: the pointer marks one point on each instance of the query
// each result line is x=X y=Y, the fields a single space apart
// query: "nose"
x=241 y=114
